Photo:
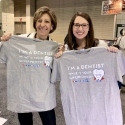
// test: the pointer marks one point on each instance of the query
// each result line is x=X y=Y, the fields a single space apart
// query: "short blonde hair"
x=45 y=10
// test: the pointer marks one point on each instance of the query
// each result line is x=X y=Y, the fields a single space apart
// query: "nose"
x=42 y=24
x=80 y=27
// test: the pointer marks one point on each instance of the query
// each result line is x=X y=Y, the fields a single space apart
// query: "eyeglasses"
x=84 y=26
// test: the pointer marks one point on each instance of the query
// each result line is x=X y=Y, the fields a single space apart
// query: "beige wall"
x=121 y=18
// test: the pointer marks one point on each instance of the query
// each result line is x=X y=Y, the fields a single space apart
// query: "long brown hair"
x=90 y=40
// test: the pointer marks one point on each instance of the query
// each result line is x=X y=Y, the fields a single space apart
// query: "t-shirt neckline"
x=82 y=52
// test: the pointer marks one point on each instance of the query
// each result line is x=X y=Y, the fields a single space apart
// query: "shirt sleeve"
x=55 y=76
x=120 y=66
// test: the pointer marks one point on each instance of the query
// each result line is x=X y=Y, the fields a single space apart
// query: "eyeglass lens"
x=77 y=25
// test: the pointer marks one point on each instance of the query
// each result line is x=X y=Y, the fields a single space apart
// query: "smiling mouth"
x=43 y=29
x=80 y=33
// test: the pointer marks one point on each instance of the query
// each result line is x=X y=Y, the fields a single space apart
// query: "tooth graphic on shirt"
x=98 y=74
x=47 y=60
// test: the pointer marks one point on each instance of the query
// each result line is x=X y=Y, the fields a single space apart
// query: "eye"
x=84 y=25
x=39 y=21
x=76 y=24
x=47 y=21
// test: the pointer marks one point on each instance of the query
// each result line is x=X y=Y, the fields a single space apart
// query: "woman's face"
x=80 y=27
x=43 y=27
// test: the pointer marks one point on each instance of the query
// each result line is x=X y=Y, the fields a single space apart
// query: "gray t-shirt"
x=29 y=66
x=88 y=82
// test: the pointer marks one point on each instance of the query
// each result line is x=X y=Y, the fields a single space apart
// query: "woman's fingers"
x=112 y=49
x=5 y=37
